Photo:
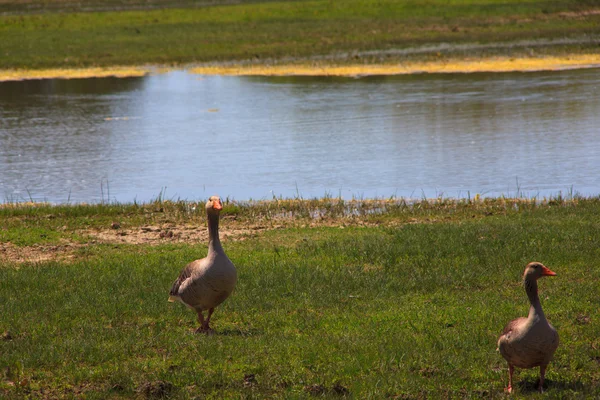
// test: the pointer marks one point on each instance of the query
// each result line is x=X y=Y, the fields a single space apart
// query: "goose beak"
x=547 y=272
x=218 y=206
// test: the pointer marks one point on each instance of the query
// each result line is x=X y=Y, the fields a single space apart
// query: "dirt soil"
x=146 y=235
x=154 y=235
x=37 y=253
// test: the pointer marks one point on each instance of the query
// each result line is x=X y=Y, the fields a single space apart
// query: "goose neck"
x=535 y=309
x=214 y=244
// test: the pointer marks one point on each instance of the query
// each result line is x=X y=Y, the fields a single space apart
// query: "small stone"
x=315 y=389
x=340 y=390
x=249 y=380
x=159 y=389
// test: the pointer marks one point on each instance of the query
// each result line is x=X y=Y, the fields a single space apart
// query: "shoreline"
x=307 y=68
x=442 y=66
x=11 y=75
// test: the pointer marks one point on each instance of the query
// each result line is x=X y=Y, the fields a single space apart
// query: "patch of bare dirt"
x=155 y=234
x=115 y=234
x=37 y=253
x=22 y=387
x=229 y=230
x=161 y=233
x=579 y=14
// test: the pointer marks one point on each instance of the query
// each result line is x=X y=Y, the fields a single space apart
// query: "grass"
x=357 y=299
x=53 y=35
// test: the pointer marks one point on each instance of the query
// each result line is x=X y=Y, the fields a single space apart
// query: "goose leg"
x=511 y=369
x=206 y=327
x=542 y=375
x=201 y=321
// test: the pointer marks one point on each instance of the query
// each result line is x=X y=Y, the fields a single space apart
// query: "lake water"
x=191 y=136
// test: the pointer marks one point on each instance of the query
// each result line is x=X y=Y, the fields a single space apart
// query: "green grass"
x=408 y=306
x=275 y=30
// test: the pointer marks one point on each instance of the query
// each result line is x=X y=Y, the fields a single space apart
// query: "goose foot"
x=204 y=323
x=205 y=330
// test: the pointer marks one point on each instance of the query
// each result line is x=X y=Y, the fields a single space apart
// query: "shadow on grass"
x=530 y=385
x=239 y=332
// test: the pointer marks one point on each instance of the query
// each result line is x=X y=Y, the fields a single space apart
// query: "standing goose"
x=204 y=284
x=529 y=342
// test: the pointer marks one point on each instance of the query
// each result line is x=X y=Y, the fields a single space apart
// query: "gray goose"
x=204 y=284
x=529 y=342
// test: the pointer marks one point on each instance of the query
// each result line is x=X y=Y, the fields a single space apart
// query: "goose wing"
x=181 y=280
x=512 y=325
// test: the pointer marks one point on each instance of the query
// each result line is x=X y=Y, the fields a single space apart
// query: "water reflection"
x=54 y=139
x=249 y=137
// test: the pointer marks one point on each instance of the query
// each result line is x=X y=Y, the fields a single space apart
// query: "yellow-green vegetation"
x=362 y=299
x=59 y=73
x=56 y=35
x=445 y=65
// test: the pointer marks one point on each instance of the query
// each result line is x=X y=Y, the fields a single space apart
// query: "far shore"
x=307 y=68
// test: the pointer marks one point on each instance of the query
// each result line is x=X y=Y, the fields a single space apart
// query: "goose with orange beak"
x=529 y=342
x=205 y=283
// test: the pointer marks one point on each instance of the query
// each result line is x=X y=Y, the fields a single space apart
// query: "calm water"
x=247 y=137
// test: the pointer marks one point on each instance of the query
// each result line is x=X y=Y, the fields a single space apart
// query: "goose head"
x=214 y=205
x=536 y=270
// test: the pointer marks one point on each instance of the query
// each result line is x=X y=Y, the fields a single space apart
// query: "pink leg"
x=511 y=369
x=542 y=376
x=206 y=327
x=201 y=321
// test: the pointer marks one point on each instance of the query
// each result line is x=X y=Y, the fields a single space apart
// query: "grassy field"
x=57 y=33
x=365 y=299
